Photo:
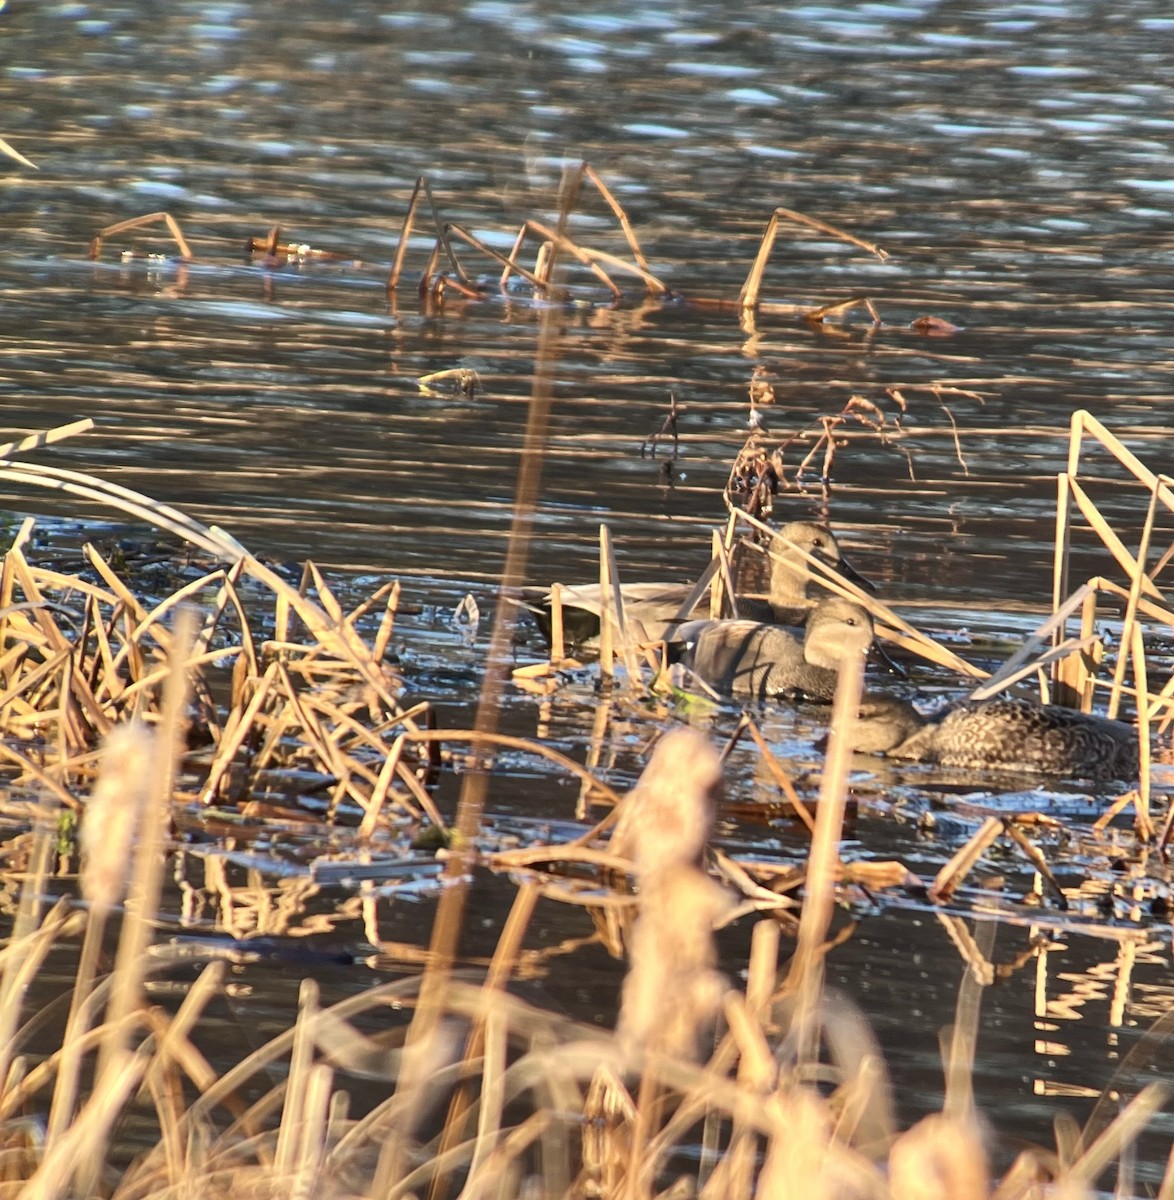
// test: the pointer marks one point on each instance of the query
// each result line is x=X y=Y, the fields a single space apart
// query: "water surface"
x=1012 y=159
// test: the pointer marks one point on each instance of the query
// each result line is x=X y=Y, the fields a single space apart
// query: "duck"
x=1004 y=732
x=763 y=661
x=654 y=610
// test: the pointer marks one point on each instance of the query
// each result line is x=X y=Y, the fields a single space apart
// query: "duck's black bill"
x=849 y=572
x=881 y=655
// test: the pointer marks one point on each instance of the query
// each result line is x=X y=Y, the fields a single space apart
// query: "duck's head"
x=884 y=723
x=837 y=630
x=790 y=571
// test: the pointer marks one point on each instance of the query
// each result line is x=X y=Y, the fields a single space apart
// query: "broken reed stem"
x=1110 y=540
x=962 y=862
x=958 y=1059
x=511 y=264
x=654 y=284
x=827 y=577
x=401 y=249
x=147 y=867
x=386 y=623
x=1145 y=826
x=138 y=223
x=627 y=650
x=806 y=973
x=557 y=641
x=35 y=441
x=607 y=617
x=586 y=258
x=715 y=588
x=748 y=297
x=474 y=788
x=442 y=238
x=13 y=153
x=1130 y=619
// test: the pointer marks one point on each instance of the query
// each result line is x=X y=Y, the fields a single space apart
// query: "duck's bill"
x=850 y=573
x=880 y=655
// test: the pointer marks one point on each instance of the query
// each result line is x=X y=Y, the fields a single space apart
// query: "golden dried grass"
x=1075 y=674
x=603 y=1113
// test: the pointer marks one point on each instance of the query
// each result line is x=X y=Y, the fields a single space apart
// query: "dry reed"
x=595 y=1113
x=534 y=1102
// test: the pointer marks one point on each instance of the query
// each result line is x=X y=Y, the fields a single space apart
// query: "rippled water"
x=1013 y=159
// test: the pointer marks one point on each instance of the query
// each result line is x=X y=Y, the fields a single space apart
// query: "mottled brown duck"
x=1005 y=733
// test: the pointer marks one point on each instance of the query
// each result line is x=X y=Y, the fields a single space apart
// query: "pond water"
x=1013 y=160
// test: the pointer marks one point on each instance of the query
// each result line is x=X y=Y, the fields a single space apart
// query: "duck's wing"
x=734 y=657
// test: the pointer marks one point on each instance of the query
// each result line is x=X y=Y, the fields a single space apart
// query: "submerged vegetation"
x=248 y=700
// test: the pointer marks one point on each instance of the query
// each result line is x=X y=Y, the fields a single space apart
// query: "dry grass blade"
x=38 y=775
x=138 y=223
x=511 y=264
x=654 y=284
x=806 y=973
x=610 y=583
x=748 y=298
x=236 y=729
x=87 y=1139
x=835 y=309
x=12 y=152
x=34 y=933
x=781 y=778
x=1037 y=860
x=333 y=633
x=907 y=636
x=1145 y=826
x=487 y=1042
x=950 y=877
x=1109 y=1145
x=588 y=258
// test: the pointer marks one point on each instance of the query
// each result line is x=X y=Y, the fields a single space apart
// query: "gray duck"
x=1004 y=732
x=750 y=658
x=653 y=610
